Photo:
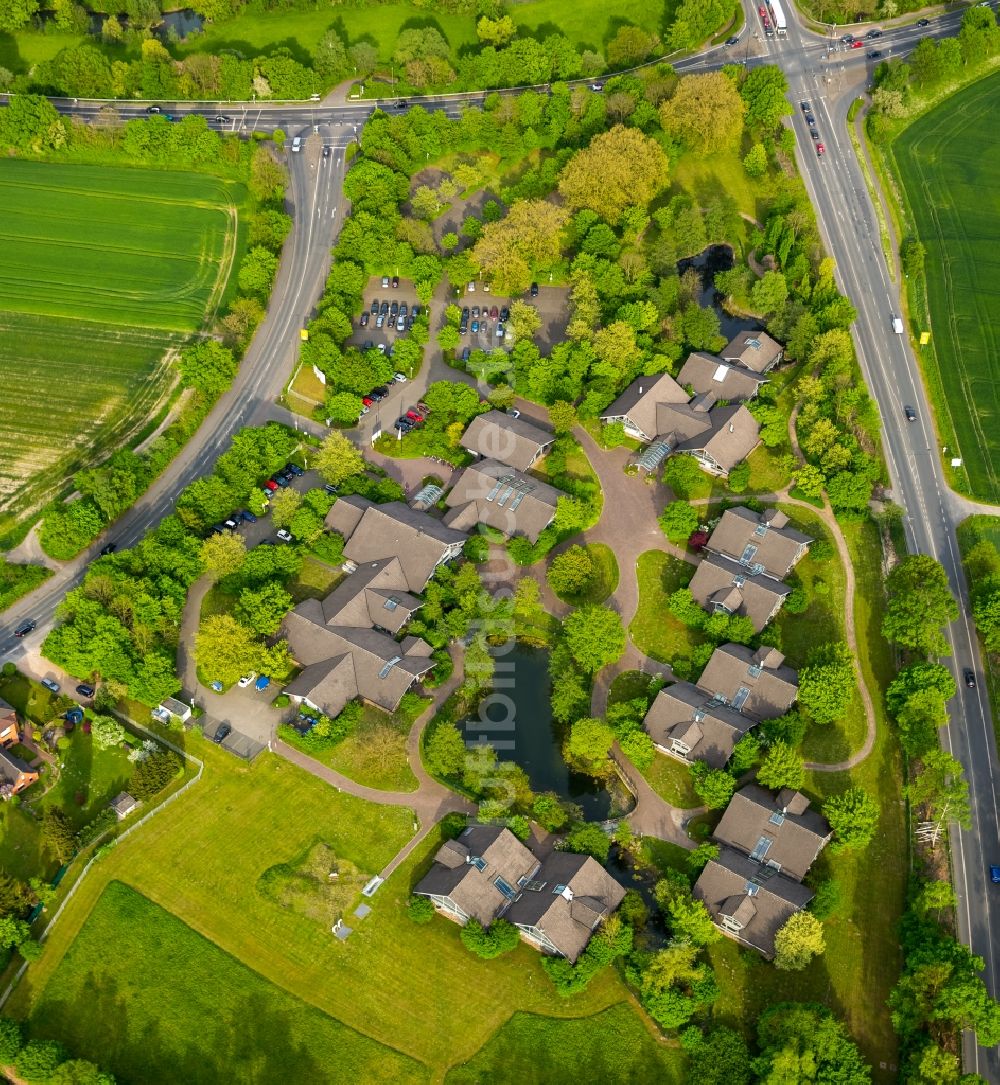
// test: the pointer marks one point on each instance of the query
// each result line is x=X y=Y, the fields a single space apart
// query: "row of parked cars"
x=394 y=314
x=481 y=321
x=376 y=395
x=415 y=416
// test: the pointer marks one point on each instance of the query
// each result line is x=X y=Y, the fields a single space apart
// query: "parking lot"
x=370 y=333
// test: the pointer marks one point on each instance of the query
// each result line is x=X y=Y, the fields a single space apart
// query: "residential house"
x=755 y=682
x=780 y=830
x=9 y=729
x=373 y=532
x=658 y=410
x=767 y=844
x=346 y=642
x=513 y=441
x=15 y=774
x=706 y=373
x=723 y=585
x=123 y=804
x=556 y=903
x=748 y=901
x=762 y=541
x=490 y=492
x=690 y=724
x=754 y=350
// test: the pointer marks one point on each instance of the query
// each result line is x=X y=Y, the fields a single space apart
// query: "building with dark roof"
x=706 y=373
x=491 y=493
x=754 y=350
x=556 y=903
x=755 y=682
x=373 y=532
x=722 y=585
x=762 y=541
x=513 y=441
x=15 y=774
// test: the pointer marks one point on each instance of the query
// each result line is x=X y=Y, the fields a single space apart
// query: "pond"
x=714 y=259
x=182 y=22
x=516 y=720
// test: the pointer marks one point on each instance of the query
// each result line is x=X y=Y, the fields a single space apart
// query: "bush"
x=38 y=1059
x=282 y=701
x=585 y=838
x=151 y=776
x=453 y=825
x=11 y=1040
x=105 y=820
x=498 y=938
x=9 y=670
x=420 y=909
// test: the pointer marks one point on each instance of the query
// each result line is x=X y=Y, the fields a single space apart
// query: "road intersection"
x=820 y=69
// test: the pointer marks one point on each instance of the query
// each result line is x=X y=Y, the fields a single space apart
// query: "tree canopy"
x=920 y=604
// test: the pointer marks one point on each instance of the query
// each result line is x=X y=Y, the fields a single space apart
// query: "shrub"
x=38 y=1059
x=151 y=776
x=498 y=938
x=420 y=909
x=585 y=838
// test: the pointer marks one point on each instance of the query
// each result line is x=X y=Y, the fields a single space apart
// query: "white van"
x=897 y=325
x=296 y=144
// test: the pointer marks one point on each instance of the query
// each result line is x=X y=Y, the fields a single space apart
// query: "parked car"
x=399 y=378
x=500 y=331
x=395 y=282
x=385 y=282
x=494 y=313
x=534 y=290
x=50 y=685
x=970 y=677
x=247 y=516
x=284 y=534
x=330 y=488
x=423 y=408
x=108 y=548
x=381 y=348
x=246 y=679
x=475 y=312
x=505 y=313
x=384 y=308
x=414 y=416
x=403 y=423
x=466 y=353
x=403 y=310
x=374 y=308
x=379 y=321
x=294 y=469
x=465 y=313
x=364 y=320
x=475 y=327
x=401 y=323
x=85 y=690
x=394 y=310
x=223 y=732
x=25 y=628
x=376 y=395
x=472 y=287
x=271 y=485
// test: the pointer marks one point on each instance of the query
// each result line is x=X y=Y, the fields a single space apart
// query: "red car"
x=820 y=149
x=762 y=11
x=413 y=416
x=857 y=44
x=367 y=401
x=271 y=485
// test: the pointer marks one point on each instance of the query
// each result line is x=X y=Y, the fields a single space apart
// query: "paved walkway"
x=652 y=815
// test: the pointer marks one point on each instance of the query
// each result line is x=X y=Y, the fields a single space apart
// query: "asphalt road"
x=830 y=75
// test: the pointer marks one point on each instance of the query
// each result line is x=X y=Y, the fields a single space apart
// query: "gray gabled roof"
x=789 y=835
x=755 y=350
x=373 y=532
x=374 y=595
x=720 y=580
x=490 y=492
x=732 y=435
x=639 y=401
x=759 y=899
x=755 y=682
x=514 y=441
x=759 y=538
x=706 y=373
x=687 y=714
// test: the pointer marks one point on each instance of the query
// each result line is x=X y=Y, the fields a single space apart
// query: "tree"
x=705 y=112
x=257 y=272
x=498 y=938
x=586 y=838
x=263 y=609
x=337 y=459
x=344 y=408
x=683 y=475
x=588 y=744
x=284 y=505
x=330 y=57
x=595 y=637
x=30 y=122
x=941 y=788
x=11 y=1040
x=853 y=816
x=718 y=1057
x=497 y=32
x=715 y=788
x=782 y=767
x=620 y=168
x=13 y=932
x=15 y=14
x=106 y=732
x=571 y=572
x=562 y=415
x=208 y=366
x=529 y=236
x=445 y=750
x=826 y=683
x=420 y=909
x=920 y=603
x=80 y=1072
x=794 y=1035
x=911 y=255
x=936 y=896
x=798 y=941
x=769 y=293
x=763 y=92
x=38 y=1059
x=678 y=521
x=58 y=834
x=223 y=554
x=226 y=650
x=691 y=922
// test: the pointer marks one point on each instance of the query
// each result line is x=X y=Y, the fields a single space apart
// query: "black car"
x=153 y=109
x=247 y=516
x=84 y=690
x=326 y=151
x=395 y=282
x=465 y=313
x=401 y=104
x=364 y=320
x=874 y=54
x=403 y=309
x=376 y=395
x=970 y=677
x=847 y=39
x=25 y=628
x=108 y=548
x=534 y=290
x=732 y=41
x=467 y=351
x=504 y=314
x=394 y=310
x=384 y=308
x=224 y=731
x=403 y=423
x=923 y=22
x=216 y=529
x=374 y=308
x=814 y=133
x=873 y=34
x=806 y=107
x=911 y=414
x=810 y=120
x=220 y=119
x=382 y=390
x=294 y=469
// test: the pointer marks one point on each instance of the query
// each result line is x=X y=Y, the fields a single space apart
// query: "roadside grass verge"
x=154 y=986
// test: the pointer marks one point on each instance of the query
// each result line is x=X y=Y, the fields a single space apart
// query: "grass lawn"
x=315 y=580
x=949 y=177
x=88 y=773
x=202 y=857
x=105 y=270
x=768 y=473
x=654 y=630
x=612 y=1046
x=22 y=852
x=862 y=952
x=709 y=177
x=604 y=581
x=151 y=984
x=375 y=755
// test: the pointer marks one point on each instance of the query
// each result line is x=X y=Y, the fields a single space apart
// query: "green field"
x=164 y=1004
x=950 y=176
x=105 y=271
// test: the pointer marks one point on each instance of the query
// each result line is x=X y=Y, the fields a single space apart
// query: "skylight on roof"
x=384 y=672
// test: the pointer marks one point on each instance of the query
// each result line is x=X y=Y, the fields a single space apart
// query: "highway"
x=820 y=69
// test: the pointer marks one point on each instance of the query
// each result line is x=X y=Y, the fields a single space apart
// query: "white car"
x=285 y=536
x=246 y=679
x=399 y=378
